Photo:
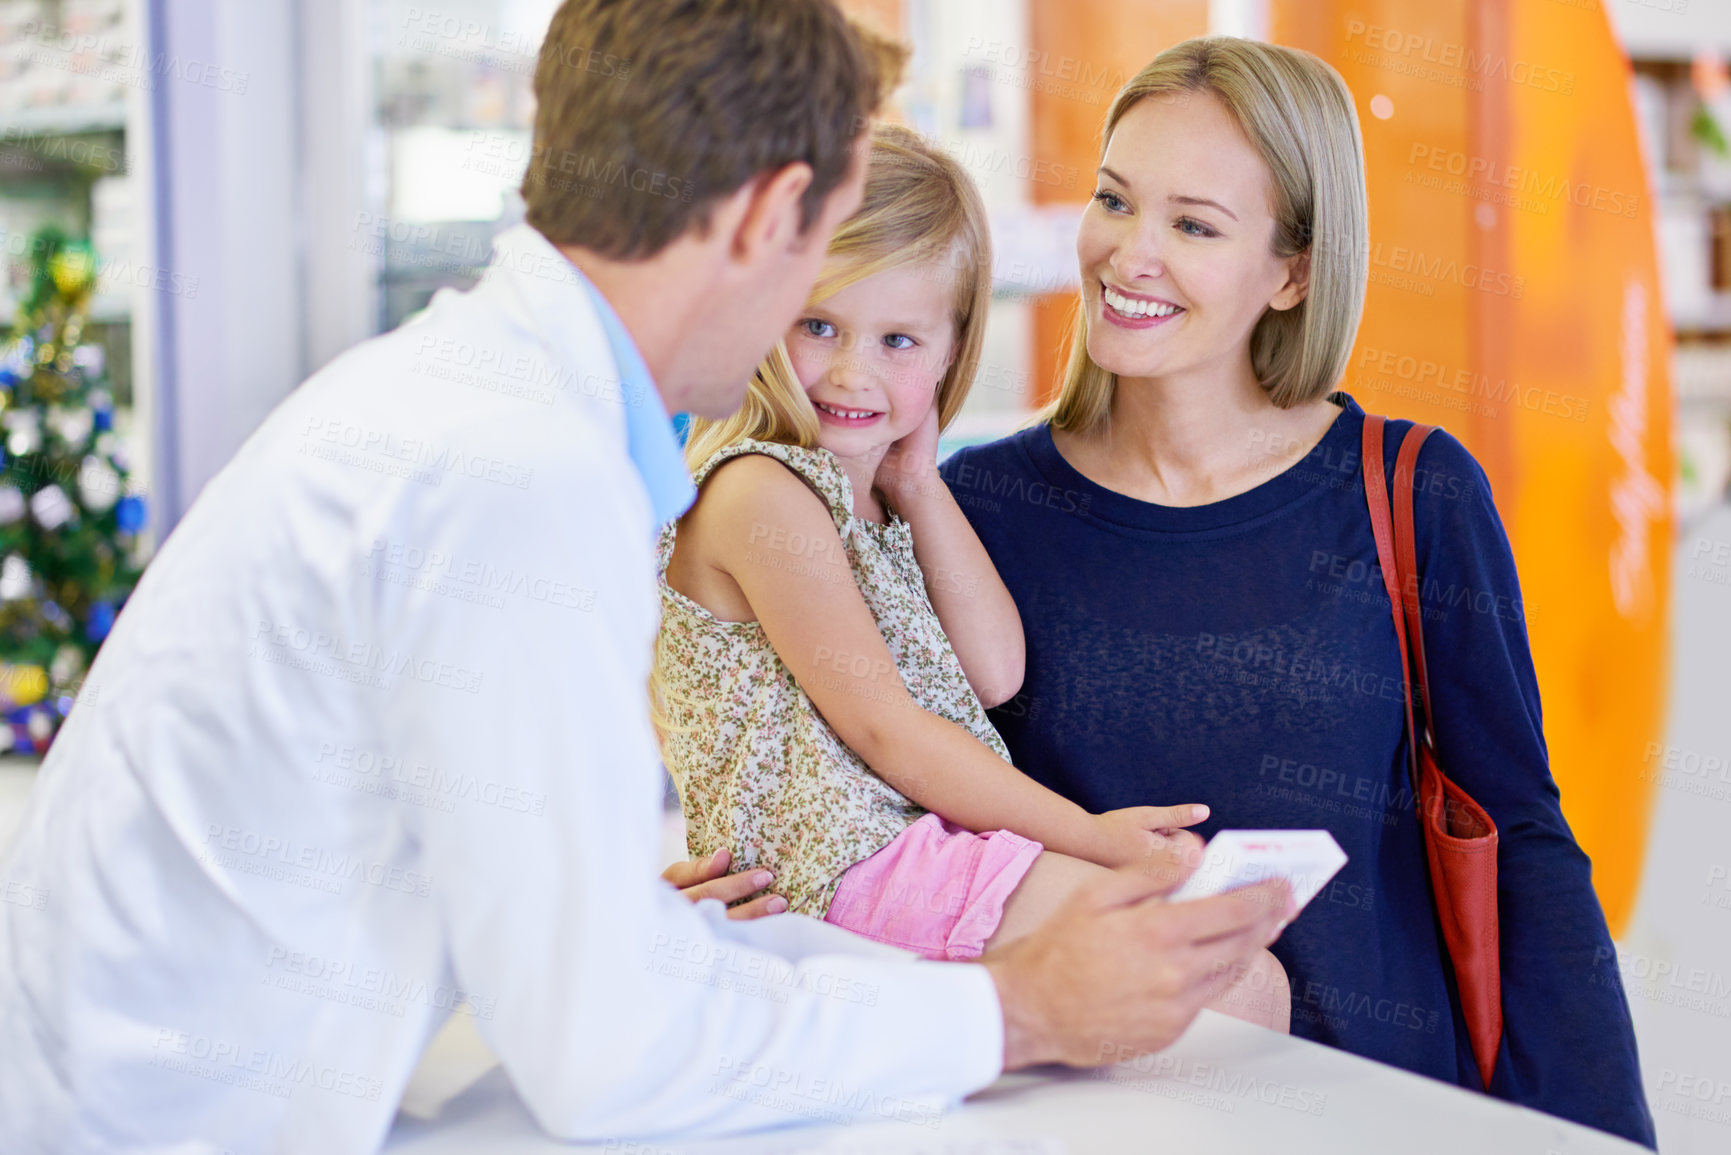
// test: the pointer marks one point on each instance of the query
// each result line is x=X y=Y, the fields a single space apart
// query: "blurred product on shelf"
x=1684 y=110
x=71 y=55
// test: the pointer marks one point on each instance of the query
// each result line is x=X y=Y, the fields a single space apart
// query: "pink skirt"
x=937 y=889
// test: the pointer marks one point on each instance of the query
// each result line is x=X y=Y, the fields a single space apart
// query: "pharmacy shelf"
x=1710 y=317
x=62 y=121
x=1703 y=372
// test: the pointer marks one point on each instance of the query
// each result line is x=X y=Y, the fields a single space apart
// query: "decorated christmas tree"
x=68 y=521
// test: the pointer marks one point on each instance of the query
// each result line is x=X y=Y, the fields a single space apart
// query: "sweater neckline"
x=1331 y=464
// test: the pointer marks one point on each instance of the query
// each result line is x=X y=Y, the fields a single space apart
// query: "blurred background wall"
x=263 y=183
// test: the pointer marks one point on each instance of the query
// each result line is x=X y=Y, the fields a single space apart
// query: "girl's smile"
x=845 y=417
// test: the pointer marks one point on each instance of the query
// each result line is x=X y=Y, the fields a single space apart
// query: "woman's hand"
x=708 y=878
x=1134 y=833
x=911 y=464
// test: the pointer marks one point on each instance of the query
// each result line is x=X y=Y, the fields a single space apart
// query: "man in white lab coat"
x=369 y=746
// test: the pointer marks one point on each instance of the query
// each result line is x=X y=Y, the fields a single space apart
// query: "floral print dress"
x=758 y=769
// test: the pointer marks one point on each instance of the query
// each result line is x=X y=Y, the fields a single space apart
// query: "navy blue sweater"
x=1242 y=654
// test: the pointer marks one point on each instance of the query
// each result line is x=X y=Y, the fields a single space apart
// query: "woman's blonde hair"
x=920 y=207
x=1298 y=114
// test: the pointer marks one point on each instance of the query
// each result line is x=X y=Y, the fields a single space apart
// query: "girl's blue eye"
x=816 y=328
x=1191 y=227
x=1113 y=202
x=894 y=337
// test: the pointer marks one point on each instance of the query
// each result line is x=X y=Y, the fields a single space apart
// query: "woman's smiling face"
x=1175 y=249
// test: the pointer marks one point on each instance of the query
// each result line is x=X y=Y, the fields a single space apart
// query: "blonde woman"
x=1203 y=612
x=831 y=626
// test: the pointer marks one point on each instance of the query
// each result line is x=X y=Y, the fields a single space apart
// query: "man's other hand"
x=698 y=878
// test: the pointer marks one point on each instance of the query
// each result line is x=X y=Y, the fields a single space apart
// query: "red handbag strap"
x=1406 y=558
x=1465 y=885
x=1382 y=527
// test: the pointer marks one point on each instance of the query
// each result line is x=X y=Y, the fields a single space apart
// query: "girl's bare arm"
x=976 y=611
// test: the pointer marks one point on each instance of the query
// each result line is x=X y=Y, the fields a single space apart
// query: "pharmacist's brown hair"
x=650 y=111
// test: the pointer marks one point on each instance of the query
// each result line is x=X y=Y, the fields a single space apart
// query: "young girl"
x=832 y=628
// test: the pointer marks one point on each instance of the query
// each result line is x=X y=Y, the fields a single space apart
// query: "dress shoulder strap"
x=818 y=468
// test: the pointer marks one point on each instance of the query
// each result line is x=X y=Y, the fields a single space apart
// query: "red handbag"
x=1460 y=839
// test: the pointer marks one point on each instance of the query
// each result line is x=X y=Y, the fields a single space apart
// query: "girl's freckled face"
x=871 y=356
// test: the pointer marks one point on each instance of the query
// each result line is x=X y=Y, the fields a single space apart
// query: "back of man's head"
x=649 y=111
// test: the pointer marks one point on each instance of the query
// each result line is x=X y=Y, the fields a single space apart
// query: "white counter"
x=1225 y=1088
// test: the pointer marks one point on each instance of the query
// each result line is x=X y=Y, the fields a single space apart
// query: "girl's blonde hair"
x=920 y=207
x=1298 y=113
